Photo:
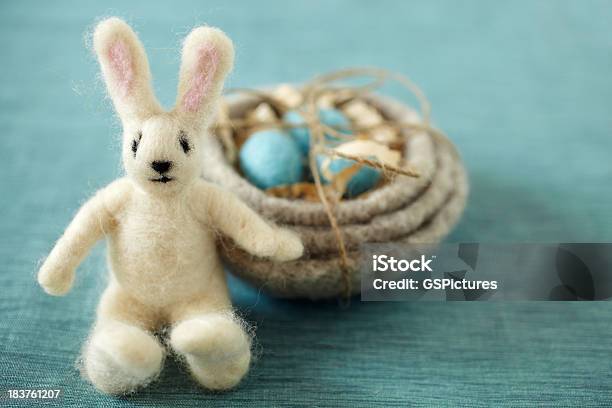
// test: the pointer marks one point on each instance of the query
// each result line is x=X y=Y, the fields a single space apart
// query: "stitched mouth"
x=162 y=179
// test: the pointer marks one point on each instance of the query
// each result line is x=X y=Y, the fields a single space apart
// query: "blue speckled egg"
x=365 y=179
x=330 y=117
x=335 y=119
x=301 y=135
x=271 y=158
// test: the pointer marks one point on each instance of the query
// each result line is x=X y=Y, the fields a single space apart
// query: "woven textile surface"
x=522 y=88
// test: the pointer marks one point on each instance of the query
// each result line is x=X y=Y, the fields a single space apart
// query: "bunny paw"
x=289 y=247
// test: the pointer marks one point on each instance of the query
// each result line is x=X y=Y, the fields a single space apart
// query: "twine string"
x=317 y=146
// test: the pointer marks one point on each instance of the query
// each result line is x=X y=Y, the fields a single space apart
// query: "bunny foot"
x=120 y=358
x=217 y=349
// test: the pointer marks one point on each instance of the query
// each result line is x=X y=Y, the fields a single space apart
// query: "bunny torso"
x=159 y=251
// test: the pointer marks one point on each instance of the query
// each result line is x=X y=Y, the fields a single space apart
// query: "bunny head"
x=161 y=148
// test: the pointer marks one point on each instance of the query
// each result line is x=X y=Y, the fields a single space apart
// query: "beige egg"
x=263 y=114
x=384 y=134
x=362 y=114
x=289 y=95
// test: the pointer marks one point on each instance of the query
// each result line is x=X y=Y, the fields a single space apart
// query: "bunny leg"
x=121 y=354
x=215 y=345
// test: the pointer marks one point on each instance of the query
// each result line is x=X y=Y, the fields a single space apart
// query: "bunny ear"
x=125 y=68
x=208 y=56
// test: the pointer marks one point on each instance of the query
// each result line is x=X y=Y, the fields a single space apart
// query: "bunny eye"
x=135 y=143
x=184 y=142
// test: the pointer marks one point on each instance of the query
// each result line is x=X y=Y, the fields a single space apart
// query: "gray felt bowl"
x=409 y=210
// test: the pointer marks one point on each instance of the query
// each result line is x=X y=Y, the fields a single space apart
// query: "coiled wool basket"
x=404 y=210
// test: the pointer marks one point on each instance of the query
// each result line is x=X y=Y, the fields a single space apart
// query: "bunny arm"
x=93 y=220
x=227 y=213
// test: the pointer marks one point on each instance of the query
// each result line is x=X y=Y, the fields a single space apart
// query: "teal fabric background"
x=522 y=87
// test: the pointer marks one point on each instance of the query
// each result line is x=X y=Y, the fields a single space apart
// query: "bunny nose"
x=161 y=166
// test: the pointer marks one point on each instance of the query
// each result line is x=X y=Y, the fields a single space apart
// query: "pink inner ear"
x=121 y=65
x=206 y=66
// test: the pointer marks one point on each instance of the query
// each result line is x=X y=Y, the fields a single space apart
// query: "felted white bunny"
x=160 y=221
